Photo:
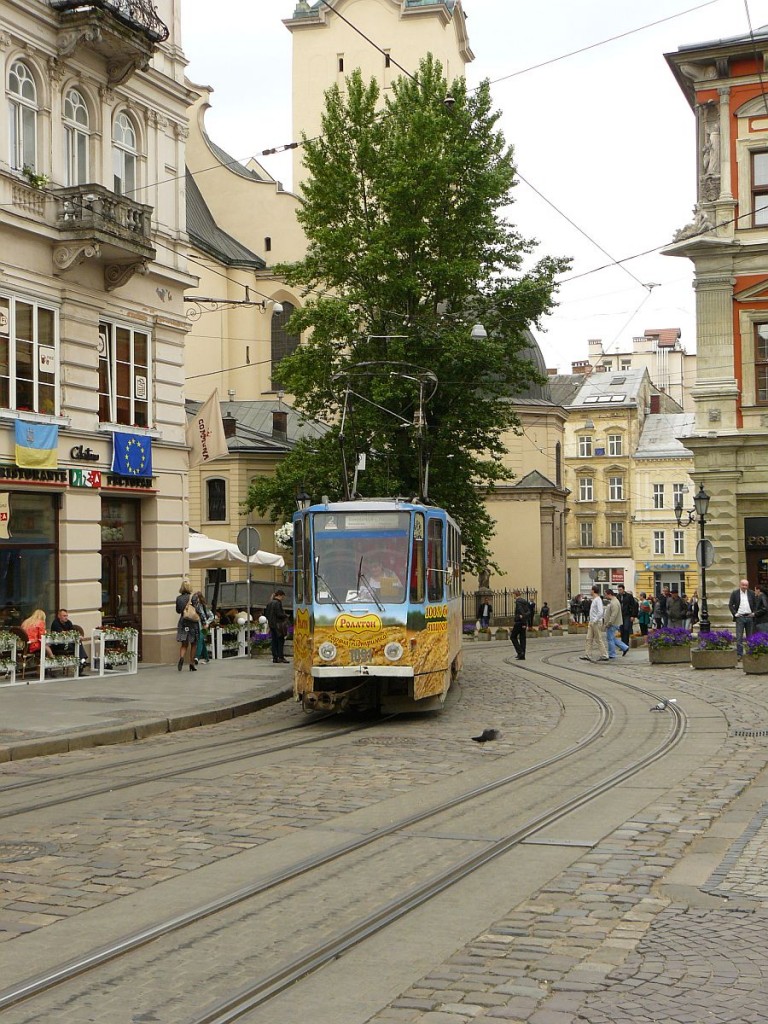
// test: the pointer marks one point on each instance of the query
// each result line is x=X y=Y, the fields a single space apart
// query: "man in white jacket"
x=595 y=649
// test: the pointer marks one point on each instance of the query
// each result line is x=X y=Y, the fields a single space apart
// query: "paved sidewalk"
x=69 y=714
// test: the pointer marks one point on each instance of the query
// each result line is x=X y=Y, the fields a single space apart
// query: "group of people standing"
x=194 y=615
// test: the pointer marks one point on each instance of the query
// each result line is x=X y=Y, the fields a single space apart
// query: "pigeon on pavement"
x=487 y=735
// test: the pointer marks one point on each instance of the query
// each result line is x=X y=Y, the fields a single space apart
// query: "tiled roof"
x=667 y=336
x=205 y=233
x=660 y=435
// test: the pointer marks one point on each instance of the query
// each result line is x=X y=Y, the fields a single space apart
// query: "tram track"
x=291 y=971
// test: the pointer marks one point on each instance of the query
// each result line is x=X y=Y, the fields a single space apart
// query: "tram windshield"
x=361 y=556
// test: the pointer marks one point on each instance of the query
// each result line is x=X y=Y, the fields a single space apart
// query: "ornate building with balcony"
x=723 y=81
x=93 y=267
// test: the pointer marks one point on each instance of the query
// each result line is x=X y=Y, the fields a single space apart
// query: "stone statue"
x=700 y=225
x=484 y=579
x=712 y=153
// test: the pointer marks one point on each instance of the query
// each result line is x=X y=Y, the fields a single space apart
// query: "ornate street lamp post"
x=703 y=551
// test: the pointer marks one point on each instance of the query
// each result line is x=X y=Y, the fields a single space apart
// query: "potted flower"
x=669 y=646
x=284 y=536
x=755 y=660
x=714 y=650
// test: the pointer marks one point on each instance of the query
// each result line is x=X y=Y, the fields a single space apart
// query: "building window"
x=124 y=380
x=76 y=138
x=759 y=189
x=761 y=362
x=658 y=542
x=585 y=535
x=658 y=495
x=625 y=364
x=216 y=495
x=585 y=447
x=29 y=360
x=283 y=343
x=678 y=541
x=124 y=156
x=586 y=488
x=22 y=95
x=615 y=444
x=616 y=488
x=616 y=535
x=558 y=464
x=678 y=494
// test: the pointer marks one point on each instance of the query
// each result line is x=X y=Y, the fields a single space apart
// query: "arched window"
x=124 y=155
x=216 y=493
x=76 y=137
x=283 y=343
x=22 y=93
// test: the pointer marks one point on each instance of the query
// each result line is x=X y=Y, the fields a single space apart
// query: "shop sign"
x=131 y=483
x=18 y=474
x=80 y=454
x=659 y=566
x=85 y=478
x=756 y=532
x=617 y=575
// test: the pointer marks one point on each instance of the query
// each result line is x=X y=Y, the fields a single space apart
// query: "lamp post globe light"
x=699 y=514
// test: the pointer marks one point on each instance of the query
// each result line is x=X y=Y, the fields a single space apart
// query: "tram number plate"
x=360 y=656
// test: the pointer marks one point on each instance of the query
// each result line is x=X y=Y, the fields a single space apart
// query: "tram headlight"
x=393 y=651
x=327 y=651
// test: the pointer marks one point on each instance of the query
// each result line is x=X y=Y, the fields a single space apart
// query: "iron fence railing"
x=502 y=601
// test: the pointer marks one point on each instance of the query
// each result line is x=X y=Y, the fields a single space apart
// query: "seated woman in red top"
x=35 y=628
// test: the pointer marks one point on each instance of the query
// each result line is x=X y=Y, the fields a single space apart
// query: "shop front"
x=29 y=543
x=653 y=577
x=604 y=574
x=756 y=548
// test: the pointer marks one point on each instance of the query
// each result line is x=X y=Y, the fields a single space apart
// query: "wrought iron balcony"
x=125 y=32
x=95 y=223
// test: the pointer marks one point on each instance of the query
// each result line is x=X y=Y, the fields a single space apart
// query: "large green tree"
x=408 y=247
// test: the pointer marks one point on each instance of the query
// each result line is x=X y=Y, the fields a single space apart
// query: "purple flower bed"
x=717 y=640
x=756 y=644
x=661 y=639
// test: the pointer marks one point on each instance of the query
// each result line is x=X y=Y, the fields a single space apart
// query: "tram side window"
x=417 y=560
x=435 y=562
x=454 y=561
x=298 y=561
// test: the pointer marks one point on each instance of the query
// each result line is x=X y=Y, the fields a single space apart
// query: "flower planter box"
x=713 y=659
x=502 y=633
x=669 y=655
x=755 y=664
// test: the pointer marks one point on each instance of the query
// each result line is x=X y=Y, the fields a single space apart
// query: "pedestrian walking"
x=629 y=610
x=575 y=607
x=676 y=610
x=761 y=609
x=519 y=634
x=188 y=628
x=277 y=618
x=741 y=605
x=484 y=613
x=206 y=618
x=664 y=597
x=544 y=616
x=586 y=604
x=595 y=648
x=612 y=620
x=694 y=608
x=644 y=613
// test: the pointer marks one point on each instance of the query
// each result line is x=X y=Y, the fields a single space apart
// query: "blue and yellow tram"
x=377 y=605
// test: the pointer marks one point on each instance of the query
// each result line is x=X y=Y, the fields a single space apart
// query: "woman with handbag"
x=188 y=629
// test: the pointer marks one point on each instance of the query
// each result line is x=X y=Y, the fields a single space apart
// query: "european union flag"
x=37 y=445
x=132 y=455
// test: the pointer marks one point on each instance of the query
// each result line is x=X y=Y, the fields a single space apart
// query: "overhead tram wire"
x=758 y=58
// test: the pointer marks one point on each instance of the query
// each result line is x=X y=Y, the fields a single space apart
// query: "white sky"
x=606 y=135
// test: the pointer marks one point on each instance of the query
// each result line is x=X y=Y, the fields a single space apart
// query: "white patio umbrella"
x=209 y=553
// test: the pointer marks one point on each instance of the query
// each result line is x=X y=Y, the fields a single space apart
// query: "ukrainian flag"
x=37 y=445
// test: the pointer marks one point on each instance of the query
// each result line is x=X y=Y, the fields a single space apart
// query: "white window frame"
x=658 y=495
x=616 y=444
x=77 y=137
x=125 y=156
x=23 y=108
x=585 y=446
x=678 y=542
x=586 y=535
x=586 y=488
x=41 y=353
x=616 y=534
x=659 y=542
x=616 y=488
x=678 y=495
x=140 y=383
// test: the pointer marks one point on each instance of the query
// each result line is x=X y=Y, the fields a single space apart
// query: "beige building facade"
x=326 y=49
x=609 y=492
x=93 y=268
x=723 y=81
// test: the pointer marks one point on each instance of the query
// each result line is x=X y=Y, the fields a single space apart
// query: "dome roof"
x=532 y=352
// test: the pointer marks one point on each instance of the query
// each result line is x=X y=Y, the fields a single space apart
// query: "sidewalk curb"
x=139 y=730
